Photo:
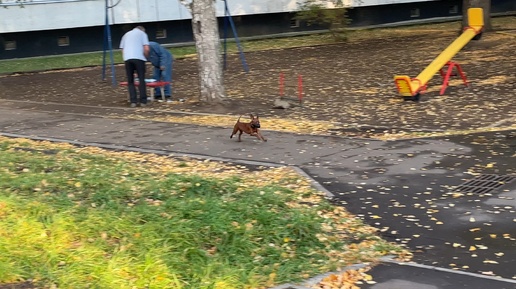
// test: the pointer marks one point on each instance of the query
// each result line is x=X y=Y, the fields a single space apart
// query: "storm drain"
x=484 y=184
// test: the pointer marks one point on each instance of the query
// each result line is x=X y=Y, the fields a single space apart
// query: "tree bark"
x=485 y=5
x=207 y=41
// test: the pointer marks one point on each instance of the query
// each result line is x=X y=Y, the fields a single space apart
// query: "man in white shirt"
x=135 y=50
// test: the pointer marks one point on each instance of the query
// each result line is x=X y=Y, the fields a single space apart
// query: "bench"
x=152 y=85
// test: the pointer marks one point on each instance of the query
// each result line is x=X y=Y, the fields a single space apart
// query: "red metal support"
x=449 y=72
x=300 y=88
x=281 y=84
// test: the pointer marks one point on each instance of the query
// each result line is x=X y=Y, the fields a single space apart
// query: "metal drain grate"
x=484 y=184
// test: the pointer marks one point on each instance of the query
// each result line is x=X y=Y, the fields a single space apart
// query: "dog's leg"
x=240 y=135
x=235 y=130
x=260 y=136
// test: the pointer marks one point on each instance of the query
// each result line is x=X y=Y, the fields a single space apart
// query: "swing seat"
x=152 y=85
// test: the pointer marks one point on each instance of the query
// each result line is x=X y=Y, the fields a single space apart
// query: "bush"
x=333 y=18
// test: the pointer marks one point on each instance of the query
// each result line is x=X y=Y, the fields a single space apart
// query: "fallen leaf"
x=490 y=262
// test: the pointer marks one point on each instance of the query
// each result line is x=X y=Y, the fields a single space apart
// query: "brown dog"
x=251 y=128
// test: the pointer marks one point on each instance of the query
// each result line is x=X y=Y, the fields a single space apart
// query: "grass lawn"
x=73 y=217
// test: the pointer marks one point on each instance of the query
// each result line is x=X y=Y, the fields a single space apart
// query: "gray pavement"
x=407 y=188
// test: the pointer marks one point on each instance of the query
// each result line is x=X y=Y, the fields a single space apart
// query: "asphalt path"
x=418 y=192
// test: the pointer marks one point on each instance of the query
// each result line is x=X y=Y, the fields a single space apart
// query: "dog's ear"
x=251 y=115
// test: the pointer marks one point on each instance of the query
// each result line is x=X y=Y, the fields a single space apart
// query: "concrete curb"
x=389 y=259
x=476 y=275
x=317 y=279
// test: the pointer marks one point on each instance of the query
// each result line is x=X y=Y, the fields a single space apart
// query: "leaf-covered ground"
x=348 y=88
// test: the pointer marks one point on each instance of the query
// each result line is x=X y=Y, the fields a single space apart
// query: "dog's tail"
x=235 y=129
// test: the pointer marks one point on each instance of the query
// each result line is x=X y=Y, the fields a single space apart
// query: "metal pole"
x=108 y=45
x=105 y=43
x=242 y=57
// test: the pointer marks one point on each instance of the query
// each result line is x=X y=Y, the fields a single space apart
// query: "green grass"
x=96 y=58
x=79 y=219
x=19 y=65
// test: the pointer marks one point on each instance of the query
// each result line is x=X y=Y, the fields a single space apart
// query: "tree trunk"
x=207 y=42
x=485 y=5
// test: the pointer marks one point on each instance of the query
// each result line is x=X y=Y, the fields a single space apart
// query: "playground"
x=348 y=88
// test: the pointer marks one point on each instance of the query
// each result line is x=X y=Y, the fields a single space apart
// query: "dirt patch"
x=349 y=85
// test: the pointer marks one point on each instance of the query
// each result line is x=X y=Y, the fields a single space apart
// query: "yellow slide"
x=409 y=87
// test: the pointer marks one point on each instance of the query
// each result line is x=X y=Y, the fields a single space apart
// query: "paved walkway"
x=402 y=187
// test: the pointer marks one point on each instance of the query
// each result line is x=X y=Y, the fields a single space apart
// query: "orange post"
x=300 y=88
x=281 y=84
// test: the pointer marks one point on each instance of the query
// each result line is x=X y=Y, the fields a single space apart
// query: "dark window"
x=10 y=45
x=294 y=23
x=63 y=41
x=161 y=33
x=414 y=12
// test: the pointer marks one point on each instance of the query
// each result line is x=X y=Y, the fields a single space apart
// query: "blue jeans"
x=164 y=75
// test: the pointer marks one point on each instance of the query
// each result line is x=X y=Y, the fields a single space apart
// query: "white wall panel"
x=171 y=9
x=133 y=11
x=242 y=7
x=60 y=14
x=360 y=3
x=125 y=12
x=51 y=16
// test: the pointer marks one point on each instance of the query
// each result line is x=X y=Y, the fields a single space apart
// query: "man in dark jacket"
x=162 y=61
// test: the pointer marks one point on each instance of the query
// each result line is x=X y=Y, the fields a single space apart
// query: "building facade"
x=53 y=27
